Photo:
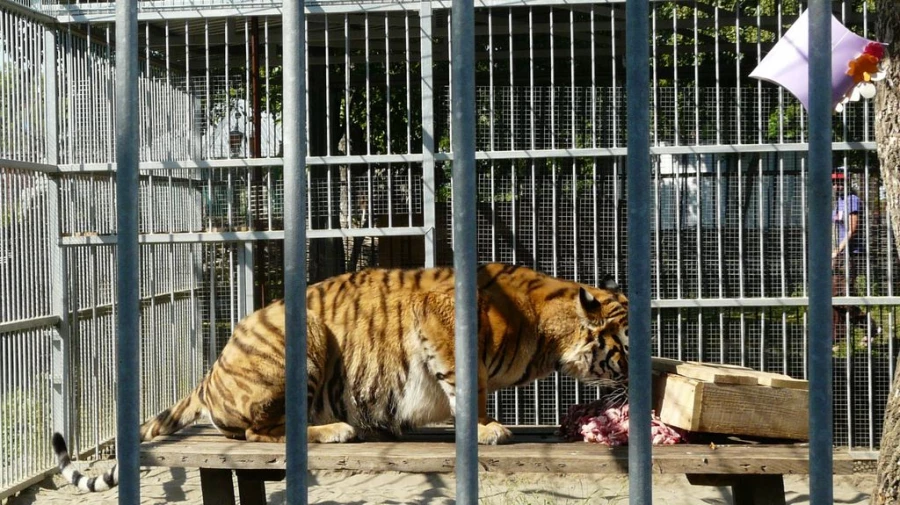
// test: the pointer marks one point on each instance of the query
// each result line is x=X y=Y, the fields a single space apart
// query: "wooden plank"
x=703 y=371
x=772 y=379
x=760 y=411
x=439 y=457
x=778 y=380
x=720 y=373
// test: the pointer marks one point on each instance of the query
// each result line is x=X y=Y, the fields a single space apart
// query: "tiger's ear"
x=609 y=282
x=586 y=303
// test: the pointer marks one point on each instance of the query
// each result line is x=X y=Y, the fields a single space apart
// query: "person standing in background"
x=847 y=241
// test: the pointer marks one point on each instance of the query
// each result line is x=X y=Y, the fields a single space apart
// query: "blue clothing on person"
x=844 y=207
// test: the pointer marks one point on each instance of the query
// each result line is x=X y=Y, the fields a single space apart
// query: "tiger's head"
x=597 y=352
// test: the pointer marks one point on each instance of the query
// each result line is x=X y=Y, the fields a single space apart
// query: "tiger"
x=381 y=356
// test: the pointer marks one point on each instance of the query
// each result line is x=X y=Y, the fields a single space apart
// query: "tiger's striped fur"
x=381 y=355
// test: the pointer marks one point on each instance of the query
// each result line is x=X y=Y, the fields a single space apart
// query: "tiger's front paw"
x=493 y=433
x=331 y=433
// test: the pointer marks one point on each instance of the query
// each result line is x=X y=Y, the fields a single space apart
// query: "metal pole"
x=256 y=251
x=62 y=391
x=295 y=200
x=465 y=256
x=127 y=251
x=820 y=367
x=637 y=36
x=426 y=62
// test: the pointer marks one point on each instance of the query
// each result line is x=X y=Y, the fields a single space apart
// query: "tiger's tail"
x=108 y=480
x=186 y=411
x=176 y=417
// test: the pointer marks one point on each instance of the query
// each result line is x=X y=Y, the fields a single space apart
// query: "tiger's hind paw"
x=493 y=433
x=331 y=433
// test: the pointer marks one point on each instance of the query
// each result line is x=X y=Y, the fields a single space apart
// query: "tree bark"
x=887 y=137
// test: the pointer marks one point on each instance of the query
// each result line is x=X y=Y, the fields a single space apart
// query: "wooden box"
x=726 y=399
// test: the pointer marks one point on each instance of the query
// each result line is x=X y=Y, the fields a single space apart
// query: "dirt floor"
x=180 y=486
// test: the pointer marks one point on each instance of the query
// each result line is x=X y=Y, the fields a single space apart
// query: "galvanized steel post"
x=820 y=275
x=465 y=255
x=127 y=254
x=62 y=390
x=295 y=199
x=426 y=61
x=637 y=78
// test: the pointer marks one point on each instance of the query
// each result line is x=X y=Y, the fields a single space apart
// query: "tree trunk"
x=887 y=137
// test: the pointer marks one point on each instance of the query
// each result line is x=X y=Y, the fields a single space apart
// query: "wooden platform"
x=750 y=468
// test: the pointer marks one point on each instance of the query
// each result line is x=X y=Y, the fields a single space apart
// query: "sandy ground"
x=176 y=485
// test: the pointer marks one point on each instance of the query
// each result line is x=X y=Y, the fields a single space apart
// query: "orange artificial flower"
x=862 y=68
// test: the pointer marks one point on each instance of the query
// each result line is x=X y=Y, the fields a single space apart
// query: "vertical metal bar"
x=68 y=85
x=295 y=197
x=93 y=405
x=759 y=85
x=5 y=369
x=4 y=85
x=819 y=188
x=387 y=95
x=368 y=103
x=870 y=382
x=326 y=33
x=614 y=79
x=210 y=142
x=465 y=249
x=535 y=214
x=553 y=112
x=59 y=305
x=145 y=92
x=408 y=68
x=227 y=87
x=348 y=147
x=655 y=81
x=804 y=225
x=782 y=226
x=638 y=79
x=168 y=95
x=426 y=66
x=554 y=196
x=718 y=80
x=127 y=252
x=514 y=183
x=270 y=145
x=761 y=225
x=574 y=144
x=781 y=107
x=595 y=192
x=246 y=260
x=697 y=138
x=657 y=240
x=676 y=118
x=532 y=112
x=13 y=43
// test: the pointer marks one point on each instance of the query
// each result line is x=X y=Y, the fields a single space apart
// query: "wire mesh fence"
x=24 y=135
x=728 y=197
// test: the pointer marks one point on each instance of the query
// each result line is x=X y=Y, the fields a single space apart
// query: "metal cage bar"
x=295 y=250
x=820 y=157
x=127 y=253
